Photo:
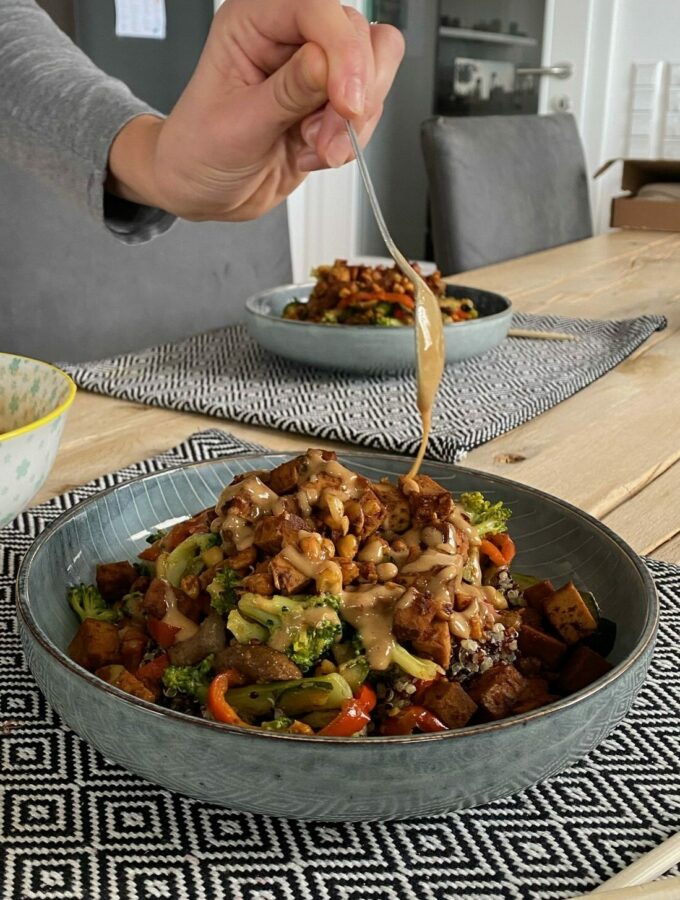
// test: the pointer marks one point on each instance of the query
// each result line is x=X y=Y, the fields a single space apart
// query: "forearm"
x=59 y=114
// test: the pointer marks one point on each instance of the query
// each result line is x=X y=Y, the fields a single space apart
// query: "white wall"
x=642 y=31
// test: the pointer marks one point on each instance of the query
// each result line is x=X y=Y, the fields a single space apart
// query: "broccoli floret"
x=190 y=681
x=154 y=536
x=87 y=603
x=487 y=517
x=302 y=635
x=222 y=590
x=185 y=559
x=415 y=666
x=245 y=631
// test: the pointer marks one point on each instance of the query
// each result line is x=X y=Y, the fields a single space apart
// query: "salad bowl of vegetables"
x=359 y=318
x=325 y=638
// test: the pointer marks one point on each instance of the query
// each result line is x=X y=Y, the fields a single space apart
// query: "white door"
x=625 y=86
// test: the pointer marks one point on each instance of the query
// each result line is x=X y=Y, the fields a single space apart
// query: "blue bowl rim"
x=253 y=310
x=645 y=642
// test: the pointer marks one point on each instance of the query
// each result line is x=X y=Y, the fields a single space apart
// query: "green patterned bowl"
x=34 y=399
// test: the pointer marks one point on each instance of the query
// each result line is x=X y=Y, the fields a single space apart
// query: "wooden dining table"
x=612 y=449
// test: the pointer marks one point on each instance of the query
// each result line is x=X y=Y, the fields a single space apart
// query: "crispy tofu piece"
x=242 y=560
x=536 y=693
x=119 y=677
x=511 y=618
x=582 y=668
x=427 y=499
x=413 y=615
x=259 y=583
x=435 y=642
x=287 y=579
x=365 y=514
x=569 y=615
x=133 y=644
x=397 y=511
x=95 y=644
x=286 y=477
x=114 y=580
x=536 y=594
x=450 y=703
x=418 y=622
x=497 y=690
x=533 y=642
x=532 y=617
x=349 y=569
x=274 y=532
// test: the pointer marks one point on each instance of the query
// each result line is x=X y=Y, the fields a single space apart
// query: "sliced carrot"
x=488 y=549
x=506 y=545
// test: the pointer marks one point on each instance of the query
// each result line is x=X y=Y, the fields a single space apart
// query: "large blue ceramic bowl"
x=331 y=778
x=367 y=348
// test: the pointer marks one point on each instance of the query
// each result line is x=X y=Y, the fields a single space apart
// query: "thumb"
x=293 y=91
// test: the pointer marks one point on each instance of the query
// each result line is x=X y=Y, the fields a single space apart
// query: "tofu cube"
x=95 y=644
x=568 y=614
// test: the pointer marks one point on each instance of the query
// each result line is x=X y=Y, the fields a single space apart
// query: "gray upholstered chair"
x=71 y=291
x=504 y=186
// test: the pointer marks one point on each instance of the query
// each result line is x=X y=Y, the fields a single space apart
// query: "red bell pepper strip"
x=217 y=703
x=151 y=553
x=153 y=671
x=161 y=632
x=353 y=716
x=412 y=717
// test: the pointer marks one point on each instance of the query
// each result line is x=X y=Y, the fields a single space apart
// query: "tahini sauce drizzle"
x=429 y=360
x=370 y=610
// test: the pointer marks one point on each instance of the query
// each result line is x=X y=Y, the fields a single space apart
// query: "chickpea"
x=191 y=586
x=213 y=556
x=347 y=546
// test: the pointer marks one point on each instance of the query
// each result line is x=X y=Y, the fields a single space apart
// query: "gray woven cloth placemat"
x=74 y=826
x=224 y=373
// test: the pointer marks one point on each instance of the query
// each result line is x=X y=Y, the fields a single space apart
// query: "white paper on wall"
x=140 y=19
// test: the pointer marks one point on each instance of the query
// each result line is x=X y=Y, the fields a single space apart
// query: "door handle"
x=560 y=70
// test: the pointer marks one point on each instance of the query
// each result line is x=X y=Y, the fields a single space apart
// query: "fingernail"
x=338 y=151
x=355 y=95
x=308 y=161
x=312 y=133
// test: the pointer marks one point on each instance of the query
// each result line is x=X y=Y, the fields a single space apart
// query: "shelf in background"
x=490 y=37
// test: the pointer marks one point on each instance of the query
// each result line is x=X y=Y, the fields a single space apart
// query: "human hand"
x=266 y=105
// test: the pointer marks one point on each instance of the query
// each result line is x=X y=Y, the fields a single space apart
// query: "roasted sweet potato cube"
x=273 y=532
x=119 y=677
x=95 y=644
x=285 y=478
x=497 y=690
x=450 y=703
x=582 y=668
x=287 y=579
x=536 y=594
x=114 y=580
x=533 y=642
x=397 y=510
x=568 y=614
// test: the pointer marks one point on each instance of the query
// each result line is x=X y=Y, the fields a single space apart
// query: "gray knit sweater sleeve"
x=59 y=114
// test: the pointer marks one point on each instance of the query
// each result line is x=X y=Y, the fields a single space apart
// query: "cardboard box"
x=661 y=210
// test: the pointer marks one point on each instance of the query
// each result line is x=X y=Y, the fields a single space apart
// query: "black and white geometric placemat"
x=224 y=373
x=74 y=826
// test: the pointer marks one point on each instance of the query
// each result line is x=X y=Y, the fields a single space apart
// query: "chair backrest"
x=71 y=291
x=504 y=186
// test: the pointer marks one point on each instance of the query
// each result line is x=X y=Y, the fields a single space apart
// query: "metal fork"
x=426 y=302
